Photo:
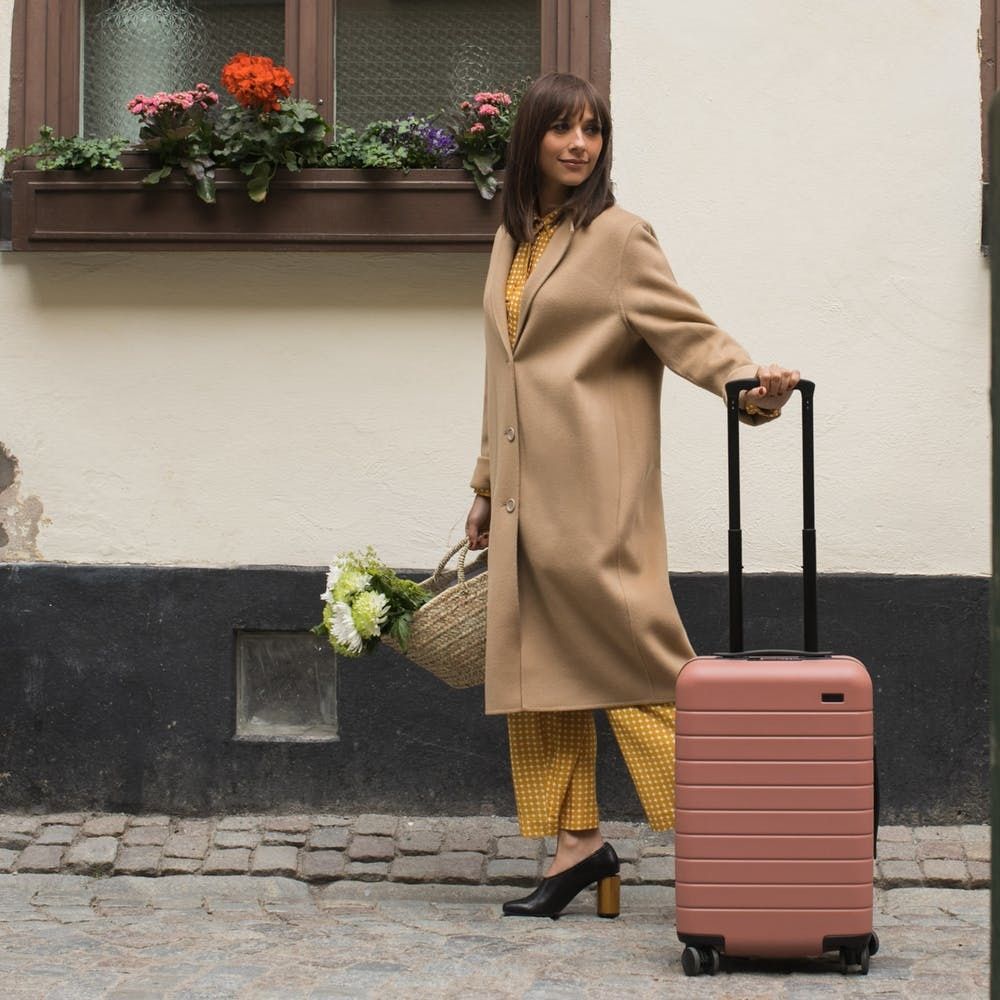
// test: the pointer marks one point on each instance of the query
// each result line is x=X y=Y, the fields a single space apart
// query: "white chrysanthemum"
x=342 y=627
x=336 y=571
x=370 y=611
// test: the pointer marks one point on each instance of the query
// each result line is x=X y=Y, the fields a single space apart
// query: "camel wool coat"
x=579 y=609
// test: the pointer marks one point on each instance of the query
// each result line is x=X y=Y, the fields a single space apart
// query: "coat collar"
x=547 y=263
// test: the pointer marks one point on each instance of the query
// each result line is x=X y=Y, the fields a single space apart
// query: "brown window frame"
x=989 y=32
x=45 y=90
x=987 y=69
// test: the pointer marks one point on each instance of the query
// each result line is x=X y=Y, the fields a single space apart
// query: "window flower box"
x=317 y=209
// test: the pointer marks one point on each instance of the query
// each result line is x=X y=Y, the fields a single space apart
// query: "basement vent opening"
x=286 y=687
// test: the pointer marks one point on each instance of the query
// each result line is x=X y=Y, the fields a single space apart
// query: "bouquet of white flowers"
x=365 y=600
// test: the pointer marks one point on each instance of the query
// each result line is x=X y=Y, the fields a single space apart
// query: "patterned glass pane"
x=142 y=46
x=397 y=57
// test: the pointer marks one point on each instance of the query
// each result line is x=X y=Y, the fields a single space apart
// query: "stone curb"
x=376 y=847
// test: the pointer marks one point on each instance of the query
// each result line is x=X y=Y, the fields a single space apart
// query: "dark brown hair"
x=549 y=98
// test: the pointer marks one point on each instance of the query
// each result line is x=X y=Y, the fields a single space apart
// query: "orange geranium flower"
x=256 y=82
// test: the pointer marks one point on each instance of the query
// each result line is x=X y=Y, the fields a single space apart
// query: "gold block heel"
x=609 y=896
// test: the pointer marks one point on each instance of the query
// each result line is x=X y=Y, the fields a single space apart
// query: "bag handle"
x=462 y=548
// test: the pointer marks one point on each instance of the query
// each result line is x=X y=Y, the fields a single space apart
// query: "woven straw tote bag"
x=448 y=633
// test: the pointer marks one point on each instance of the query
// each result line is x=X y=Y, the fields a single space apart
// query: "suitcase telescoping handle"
x=810 y=639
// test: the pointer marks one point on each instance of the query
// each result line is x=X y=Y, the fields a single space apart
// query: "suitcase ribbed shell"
x=775 y=803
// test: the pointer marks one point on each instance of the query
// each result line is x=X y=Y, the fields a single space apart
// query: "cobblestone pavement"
x=256 y=907
x=192 y=937
x=479 y=850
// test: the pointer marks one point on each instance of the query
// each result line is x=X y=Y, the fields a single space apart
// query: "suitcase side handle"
x=809 y=600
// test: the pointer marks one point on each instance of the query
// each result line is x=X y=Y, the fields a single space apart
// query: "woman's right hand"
x=477 y=524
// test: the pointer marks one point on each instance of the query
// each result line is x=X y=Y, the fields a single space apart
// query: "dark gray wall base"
x=118 y=693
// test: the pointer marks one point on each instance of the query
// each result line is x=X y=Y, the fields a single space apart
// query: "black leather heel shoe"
x=556 y=892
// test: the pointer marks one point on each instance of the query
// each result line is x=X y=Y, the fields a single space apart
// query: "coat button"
x=510 y=505
x=509 y=434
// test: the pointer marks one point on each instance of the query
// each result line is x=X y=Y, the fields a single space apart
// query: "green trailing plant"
x=397 y=144
x=71 y=152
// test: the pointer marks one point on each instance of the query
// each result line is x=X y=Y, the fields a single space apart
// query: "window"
x=390 y=57
x=75 y=61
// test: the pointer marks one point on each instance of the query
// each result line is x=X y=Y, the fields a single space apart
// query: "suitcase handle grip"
x=804 y=385
x=810 y=640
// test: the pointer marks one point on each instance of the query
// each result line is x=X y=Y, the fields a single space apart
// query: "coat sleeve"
x=481 y=474
x=669 y=319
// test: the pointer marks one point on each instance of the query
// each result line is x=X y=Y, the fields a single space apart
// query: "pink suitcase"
x=776 y=786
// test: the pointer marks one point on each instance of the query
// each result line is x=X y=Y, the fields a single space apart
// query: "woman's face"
x=568 y=153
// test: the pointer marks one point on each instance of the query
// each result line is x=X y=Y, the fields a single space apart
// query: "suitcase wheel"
x=695 y=961
x=851 y=956
x=873 y=944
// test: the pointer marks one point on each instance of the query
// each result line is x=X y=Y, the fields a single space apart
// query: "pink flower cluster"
x=184 y=100
x=487 y=102
x=489 y=98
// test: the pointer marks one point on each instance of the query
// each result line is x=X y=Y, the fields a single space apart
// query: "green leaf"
x=257 y=188
x=205 y=189
x=155 y=176
x=487 y=185
x=259 y=181
x=403 y=631
x=484 y=162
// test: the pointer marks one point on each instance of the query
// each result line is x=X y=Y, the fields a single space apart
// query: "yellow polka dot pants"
x=553 y=757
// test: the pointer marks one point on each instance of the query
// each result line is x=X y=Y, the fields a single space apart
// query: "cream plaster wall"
x=243 y=408
x=813 y=173
x=812 y=170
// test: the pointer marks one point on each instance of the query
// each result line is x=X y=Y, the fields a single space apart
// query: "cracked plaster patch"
x=19 y=518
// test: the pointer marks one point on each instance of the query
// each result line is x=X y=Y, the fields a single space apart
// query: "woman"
x=582 y=315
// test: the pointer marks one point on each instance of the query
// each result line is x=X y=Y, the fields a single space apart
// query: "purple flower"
x=437 y=141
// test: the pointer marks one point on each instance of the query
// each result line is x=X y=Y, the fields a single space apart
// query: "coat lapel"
x=498 y=304
x=547 y=263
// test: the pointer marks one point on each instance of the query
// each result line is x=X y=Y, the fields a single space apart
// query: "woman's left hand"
x=775 y=389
